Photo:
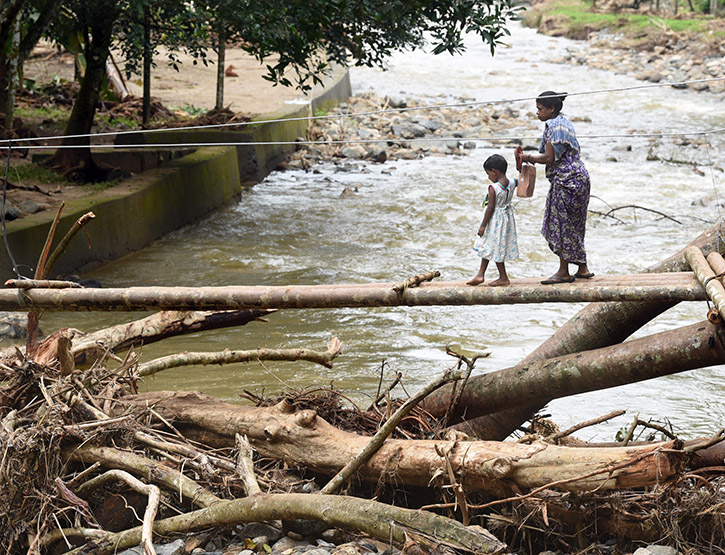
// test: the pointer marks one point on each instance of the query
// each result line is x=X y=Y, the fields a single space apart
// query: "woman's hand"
x=518 y=155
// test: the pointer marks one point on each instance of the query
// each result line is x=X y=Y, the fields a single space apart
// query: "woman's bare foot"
x=500 y=282
x=478 y=280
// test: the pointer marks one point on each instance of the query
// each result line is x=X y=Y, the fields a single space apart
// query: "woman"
x=565 y=216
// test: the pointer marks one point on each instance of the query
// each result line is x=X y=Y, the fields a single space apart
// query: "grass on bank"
x=581 y=17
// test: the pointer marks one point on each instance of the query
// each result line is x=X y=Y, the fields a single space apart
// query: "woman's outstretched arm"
x=547 y=157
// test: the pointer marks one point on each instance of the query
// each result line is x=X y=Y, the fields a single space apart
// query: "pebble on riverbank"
x=371 y=128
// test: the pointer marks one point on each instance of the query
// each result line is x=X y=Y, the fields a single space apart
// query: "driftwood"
x=229 y=357
x=304 y=439
x=381 y=521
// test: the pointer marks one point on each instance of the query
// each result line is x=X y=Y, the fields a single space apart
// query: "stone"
x=304 y=527
x=288 y=543
x=29 y=207
x=351 y=152
x=660 y=550
x=376 y=153
x=13 y=325
x=177 y=547
x=396 y=102
x=256 y=529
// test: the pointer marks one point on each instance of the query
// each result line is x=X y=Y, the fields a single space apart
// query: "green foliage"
x=193 y=110
x=579 y=14
x=307 y=36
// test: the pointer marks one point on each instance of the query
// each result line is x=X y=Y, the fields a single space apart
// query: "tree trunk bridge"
x=668 y=287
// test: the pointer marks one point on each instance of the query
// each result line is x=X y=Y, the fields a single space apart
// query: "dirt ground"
x=194 y=85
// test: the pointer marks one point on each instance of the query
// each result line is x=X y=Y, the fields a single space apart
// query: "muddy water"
x=413 y=216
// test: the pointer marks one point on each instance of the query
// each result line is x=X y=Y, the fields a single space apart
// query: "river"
x=419 y=215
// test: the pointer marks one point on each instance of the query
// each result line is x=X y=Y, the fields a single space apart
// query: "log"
x=301 y=438
x=673 y=287
x=536 y=383
x=86 y=348
x=596 y=325
x=379 y=520
x=706 y=276
x=325 y=358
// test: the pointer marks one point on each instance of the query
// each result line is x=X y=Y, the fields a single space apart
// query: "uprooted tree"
x=74 y=428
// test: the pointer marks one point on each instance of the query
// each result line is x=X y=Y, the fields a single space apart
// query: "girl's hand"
x=481 y=230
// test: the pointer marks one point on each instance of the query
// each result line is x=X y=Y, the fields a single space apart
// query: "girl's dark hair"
x=496 y=162
x=551 y=99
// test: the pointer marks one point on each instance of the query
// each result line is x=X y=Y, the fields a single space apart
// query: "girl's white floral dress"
x=499 y=242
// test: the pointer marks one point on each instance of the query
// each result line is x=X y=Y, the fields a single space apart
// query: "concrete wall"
x=178 y=192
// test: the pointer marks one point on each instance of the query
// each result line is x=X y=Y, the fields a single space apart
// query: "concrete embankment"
x=178 y=192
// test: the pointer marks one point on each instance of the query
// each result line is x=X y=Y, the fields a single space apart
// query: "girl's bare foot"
x=475 y=281
x=500 y=282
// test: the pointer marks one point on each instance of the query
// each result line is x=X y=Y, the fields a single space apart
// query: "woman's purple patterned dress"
x=565 y=215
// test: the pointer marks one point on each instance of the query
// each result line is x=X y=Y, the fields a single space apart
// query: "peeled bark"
x=663 y=287
x=88 y=347
x=526 y=384
x=302 y=438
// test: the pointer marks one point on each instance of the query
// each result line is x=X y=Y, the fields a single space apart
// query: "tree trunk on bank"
x=11 y=62
x=303 y=439
x=12 y=74
x=101 y=17
x=596 y=325
x=147 y=62
x=536 y=383
x=220 y=70
x=9 y=12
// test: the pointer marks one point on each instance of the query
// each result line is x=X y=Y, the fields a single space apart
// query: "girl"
x=565 y=216
x=497 y=234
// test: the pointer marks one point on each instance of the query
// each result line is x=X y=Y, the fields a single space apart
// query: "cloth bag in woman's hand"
x=527 y=180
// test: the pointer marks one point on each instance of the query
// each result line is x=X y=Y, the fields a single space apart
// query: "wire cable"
x=358 y=114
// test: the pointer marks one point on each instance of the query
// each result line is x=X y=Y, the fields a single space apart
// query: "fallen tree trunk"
x=301 y=438
x=89 y=347
x=596 y=325
x=663 y=287
x=536 y=383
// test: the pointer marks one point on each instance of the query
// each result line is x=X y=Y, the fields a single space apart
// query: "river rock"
x=396 y=102
x=656 y=550
x=352 y=152
x=376 y=153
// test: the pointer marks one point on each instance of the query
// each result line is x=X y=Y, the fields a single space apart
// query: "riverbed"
x=410 y=216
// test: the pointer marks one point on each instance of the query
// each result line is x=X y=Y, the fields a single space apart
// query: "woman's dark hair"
x=496 y=162
x=551 y=99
